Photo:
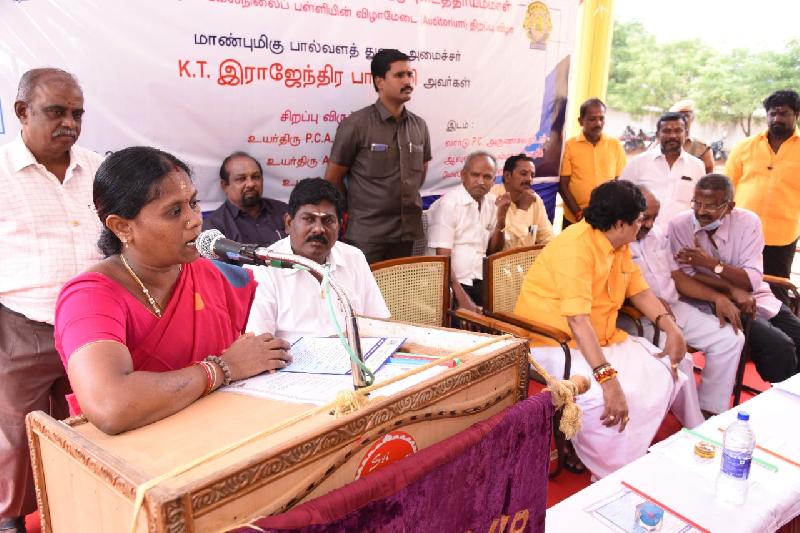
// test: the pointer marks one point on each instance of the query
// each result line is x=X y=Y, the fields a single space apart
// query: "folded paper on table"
x=319 y=389
x=327 y=355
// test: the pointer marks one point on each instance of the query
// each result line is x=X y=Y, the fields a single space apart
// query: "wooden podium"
x=86 y=480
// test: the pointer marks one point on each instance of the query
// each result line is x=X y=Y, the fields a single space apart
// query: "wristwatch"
x=718 y=268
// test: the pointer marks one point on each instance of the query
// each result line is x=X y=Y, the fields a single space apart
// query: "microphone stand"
x=351 y=325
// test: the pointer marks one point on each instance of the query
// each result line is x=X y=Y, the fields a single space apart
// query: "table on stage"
x=671 y=476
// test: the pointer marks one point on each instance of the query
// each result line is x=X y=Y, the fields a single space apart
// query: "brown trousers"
x=32 y=378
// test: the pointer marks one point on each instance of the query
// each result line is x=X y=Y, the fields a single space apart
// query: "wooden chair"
x=503 y=273
x=794 y=305
x=738 y=385
x=416 y=289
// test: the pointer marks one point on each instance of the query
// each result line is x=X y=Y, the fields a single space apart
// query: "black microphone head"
x=205 y=243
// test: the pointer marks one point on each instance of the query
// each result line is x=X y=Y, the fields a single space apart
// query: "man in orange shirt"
x=590 y=158
x=577 y=285
x=765 y=169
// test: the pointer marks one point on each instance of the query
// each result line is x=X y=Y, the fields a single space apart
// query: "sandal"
x=571 y=461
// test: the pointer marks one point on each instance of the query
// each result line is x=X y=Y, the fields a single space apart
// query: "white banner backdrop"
x=202 y=78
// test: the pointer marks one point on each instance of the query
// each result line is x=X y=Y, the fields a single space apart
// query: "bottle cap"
x=651 y=514
x=743 y=416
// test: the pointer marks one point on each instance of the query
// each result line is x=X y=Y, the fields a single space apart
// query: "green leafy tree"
x=645 y=76
x=648 y=77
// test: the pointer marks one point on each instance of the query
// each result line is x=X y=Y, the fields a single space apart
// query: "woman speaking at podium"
x=153 y=327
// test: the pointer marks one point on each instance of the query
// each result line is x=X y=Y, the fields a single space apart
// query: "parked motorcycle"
x=718 y=150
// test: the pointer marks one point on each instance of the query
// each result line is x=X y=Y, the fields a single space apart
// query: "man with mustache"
x=765 y=169
x=666 y=169
x=590 y=159
x=246 y=216
x=719 y=245
x=719 y=337
x=526 y=220
x=49 y=233
x=383 y=150
x=692 y=144
x=288 y=302
x=467 y=223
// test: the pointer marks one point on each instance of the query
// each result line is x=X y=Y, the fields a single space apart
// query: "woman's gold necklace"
x=147 y=294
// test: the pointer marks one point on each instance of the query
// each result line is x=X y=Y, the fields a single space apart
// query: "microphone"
x=212 y=244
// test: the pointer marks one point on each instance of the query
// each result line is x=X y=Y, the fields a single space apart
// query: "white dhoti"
x=649 y=390
x=721 y=345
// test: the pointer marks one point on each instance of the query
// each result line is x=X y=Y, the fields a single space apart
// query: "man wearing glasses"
x=720 y=245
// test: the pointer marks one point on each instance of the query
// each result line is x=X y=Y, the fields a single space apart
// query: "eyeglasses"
x=708 y=207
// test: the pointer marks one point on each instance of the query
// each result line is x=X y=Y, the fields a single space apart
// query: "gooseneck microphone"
x=212 y=244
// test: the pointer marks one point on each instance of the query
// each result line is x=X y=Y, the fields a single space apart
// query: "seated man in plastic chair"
x=721 y=246
x=719 y=337
x=577 y=285
x=289 y=303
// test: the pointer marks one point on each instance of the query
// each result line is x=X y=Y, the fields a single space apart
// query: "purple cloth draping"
x=495 y=471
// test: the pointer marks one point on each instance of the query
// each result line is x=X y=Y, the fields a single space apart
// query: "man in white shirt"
x=288 y=302
x=48 y=232
x=467 y=223
x=667 y=169
x=720 y=338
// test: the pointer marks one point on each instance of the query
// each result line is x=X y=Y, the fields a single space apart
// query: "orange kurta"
x=768 y=184
x=580 y=273
x=590 y=165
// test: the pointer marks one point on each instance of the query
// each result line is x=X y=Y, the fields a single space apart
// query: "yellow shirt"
x=525 y=227
x=769 y=184
x=590 y=165
x=579 y=273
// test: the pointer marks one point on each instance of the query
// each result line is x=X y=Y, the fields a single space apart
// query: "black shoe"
x=13 y=525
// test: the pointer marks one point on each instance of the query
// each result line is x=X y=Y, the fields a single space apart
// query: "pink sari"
x=207 y=311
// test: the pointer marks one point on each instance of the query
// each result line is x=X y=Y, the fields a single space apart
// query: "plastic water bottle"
x=737 y=454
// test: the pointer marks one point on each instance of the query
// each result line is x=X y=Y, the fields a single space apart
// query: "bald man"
x=49 y=234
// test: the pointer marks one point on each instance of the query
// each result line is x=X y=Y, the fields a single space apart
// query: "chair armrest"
x=636 y=316
x=632 y=312
x=533 y=326
x=488 y=323
x=780 y=282
x=791 y=288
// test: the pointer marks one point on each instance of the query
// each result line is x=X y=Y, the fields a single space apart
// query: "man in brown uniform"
x=384 y=150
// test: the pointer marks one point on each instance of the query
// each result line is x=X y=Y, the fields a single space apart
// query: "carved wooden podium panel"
x=86 y=480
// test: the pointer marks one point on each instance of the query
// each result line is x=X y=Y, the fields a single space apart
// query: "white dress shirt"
x=654 y=257
x=289 y=303
x=48 y=229
x=673 y=187
x=457 y=224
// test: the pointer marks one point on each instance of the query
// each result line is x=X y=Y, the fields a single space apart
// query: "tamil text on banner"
x=203 y=78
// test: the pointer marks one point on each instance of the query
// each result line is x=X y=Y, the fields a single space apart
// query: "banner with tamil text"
x=202 y=78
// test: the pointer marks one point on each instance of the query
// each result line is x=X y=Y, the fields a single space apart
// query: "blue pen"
x=401 y=361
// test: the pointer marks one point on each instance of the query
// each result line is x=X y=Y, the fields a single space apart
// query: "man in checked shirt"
x=49 y=233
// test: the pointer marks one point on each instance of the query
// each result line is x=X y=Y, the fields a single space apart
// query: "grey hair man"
x=50 y=233
x=467 y=223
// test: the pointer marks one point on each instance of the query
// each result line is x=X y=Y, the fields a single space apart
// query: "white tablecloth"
x=670 y=474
